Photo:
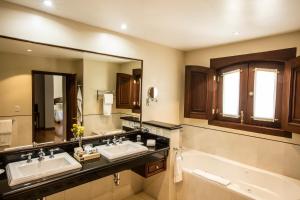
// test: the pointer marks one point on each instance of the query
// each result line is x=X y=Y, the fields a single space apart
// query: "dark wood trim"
x=71 y=98
x=151 y=168
x=136 y=90
x=243 y=91
x=278 y=107
x=188 y=103
x=289 y=95
x=281 y=55
x=252 y=128
x=124 y=87
x=50 y=73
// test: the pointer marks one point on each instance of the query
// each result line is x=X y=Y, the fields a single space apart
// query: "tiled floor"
x=140 y=196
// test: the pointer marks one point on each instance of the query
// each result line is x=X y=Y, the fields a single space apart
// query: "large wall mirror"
x=46 y=89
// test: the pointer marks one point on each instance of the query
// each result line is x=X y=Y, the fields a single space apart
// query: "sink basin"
x=127 y=148
x=23 y=172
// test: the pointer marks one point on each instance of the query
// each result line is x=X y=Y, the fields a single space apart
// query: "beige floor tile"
x=140 y=196
x=57 y=196
x=101 y=186
x=106 y=196
x=81 y=192
x=122 y=192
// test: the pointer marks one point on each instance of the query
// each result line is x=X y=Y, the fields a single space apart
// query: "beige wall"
x=15 y=79
x=203 y=56
x=15 y=83
x=103 y=189
x=97 y=76
x=160 y=63
x=57 y=86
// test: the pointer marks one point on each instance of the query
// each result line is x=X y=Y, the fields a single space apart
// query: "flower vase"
x=80 y=141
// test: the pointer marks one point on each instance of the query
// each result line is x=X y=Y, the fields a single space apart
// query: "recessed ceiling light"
x=236 y=33
x=123 y=26
x=29 y=50
x=48 y=3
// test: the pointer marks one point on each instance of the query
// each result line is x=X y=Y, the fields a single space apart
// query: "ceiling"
x=20 y=47
x=182 y=24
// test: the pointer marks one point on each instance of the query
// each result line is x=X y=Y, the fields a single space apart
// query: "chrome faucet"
x=107 y=142
x=28 y=155
x=120 y=140
x=41 y=155
x=52 y=152
x=115 y=140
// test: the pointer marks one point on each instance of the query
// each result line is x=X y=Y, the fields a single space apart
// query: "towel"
x=107 y=103
x=79 y=106
x=212 y=177
x=108 y=99
x=6 y=126
x=178 y=168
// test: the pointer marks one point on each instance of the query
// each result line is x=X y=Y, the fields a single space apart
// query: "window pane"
x=265 y=83
x=231 y=94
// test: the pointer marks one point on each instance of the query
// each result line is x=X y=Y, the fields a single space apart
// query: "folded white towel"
x=211 y=177
x=107 y=104
x=6 y=126
x=178 y=168
x=108 y=99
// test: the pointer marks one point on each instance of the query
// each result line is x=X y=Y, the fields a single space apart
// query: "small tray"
x=85 y=157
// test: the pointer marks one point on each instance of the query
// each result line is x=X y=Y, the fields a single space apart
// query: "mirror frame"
x=82 y=51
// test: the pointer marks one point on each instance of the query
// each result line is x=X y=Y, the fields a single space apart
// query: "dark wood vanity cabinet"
x=196 y=102
x=291 y=110
x=123 y=91
x=151 y=168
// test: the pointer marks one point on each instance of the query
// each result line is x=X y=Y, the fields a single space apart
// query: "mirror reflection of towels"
x=79 y=105
x=107 y=103
x=6 y=126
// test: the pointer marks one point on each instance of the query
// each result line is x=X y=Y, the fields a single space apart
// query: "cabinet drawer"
x=151 y=168
x=155 y=166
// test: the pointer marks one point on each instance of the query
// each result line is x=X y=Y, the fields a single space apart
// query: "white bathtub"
x=249 y=181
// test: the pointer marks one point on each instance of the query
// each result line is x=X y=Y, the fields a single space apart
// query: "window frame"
x=217 y=64
x=220 y=92
x=250 y=101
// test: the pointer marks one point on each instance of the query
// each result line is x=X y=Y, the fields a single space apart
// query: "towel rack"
x=101 y=92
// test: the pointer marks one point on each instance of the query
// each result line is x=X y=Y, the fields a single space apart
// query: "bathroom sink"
x=23 y=172
x=117 y=151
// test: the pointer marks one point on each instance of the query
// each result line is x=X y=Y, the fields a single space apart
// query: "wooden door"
x=291 y=95
x=71 y=90
x=196 y=92
x=136 y=90
x=124 y=91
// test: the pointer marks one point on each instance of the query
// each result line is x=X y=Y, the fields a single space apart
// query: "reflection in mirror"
x=49 y=107
x=152 y=95
x=45 y=90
